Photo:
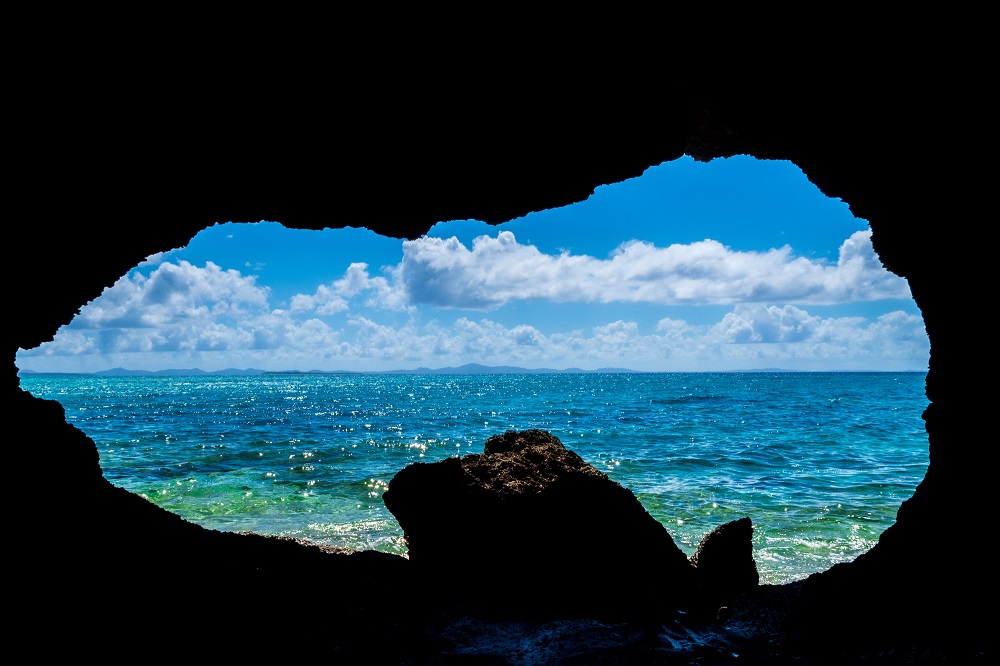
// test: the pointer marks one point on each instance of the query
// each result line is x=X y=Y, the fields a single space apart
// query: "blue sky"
x=728 y=265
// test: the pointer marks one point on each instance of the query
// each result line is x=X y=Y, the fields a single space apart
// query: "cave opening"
x=736 y=322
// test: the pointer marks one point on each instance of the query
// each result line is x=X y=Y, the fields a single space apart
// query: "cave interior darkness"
x=896 y=149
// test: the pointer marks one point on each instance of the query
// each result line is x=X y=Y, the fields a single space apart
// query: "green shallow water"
x=819 y=461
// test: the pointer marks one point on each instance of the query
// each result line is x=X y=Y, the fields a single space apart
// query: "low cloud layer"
x=497 y=271
x=178 y=315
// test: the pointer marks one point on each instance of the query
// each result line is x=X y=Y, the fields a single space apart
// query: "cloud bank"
x=178 y=315
x=497 y=271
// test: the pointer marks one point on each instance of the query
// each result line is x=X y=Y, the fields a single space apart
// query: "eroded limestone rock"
x=540 y=527
x=724 y=560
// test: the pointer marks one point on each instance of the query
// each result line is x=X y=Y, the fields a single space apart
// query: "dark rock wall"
x=102 y=174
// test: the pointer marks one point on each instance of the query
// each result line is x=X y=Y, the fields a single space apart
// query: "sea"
x=820 y=462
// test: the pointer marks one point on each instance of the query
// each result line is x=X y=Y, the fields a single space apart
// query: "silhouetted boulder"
x=724 y=561
x=529 y=523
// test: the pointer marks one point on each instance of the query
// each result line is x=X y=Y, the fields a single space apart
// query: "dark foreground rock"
x=549 y=532
x=724 y=561
x=185 y=590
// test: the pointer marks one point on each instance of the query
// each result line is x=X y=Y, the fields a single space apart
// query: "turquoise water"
x=819 y=461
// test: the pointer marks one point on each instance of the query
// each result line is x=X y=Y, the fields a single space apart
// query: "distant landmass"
x=467 y=369
x=477 y=369
x=192 y=372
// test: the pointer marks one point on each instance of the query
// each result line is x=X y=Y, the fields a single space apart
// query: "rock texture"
x=548 y=530
x=104 y=170
x=724 y=561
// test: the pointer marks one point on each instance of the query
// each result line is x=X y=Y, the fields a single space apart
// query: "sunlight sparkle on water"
x=690 y=469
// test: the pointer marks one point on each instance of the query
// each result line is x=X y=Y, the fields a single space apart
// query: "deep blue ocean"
x=819 y=461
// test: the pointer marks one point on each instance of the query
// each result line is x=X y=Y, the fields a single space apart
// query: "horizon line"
x=468 y=368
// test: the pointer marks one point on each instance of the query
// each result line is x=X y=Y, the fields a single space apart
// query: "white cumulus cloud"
x=496 y=271
x=171 y=294
x=335 y=297
x=178 y=315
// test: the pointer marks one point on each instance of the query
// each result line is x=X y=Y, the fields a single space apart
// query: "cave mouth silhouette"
x=335 y=231
x=893 y=128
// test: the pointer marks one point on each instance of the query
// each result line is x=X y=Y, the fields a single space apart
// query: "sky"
x=733 y=264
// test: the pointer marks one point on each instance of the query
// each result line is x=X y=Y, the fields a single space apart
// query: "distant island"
x=467 y=369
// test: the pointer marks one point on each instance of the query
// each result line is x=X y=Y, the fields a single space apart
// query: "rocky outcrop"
x=724 y=561
x=548 y=530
